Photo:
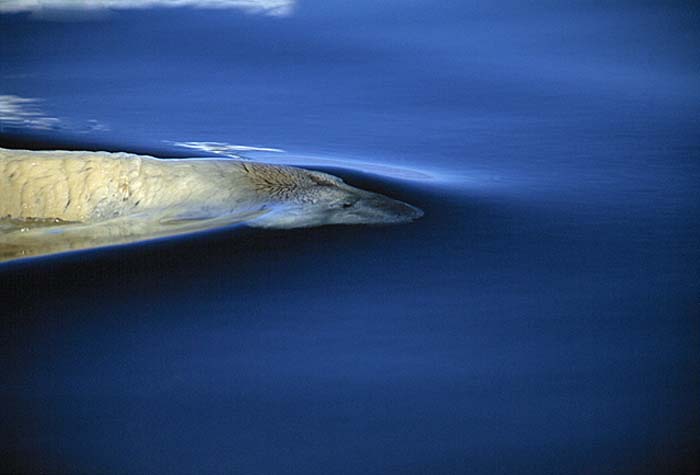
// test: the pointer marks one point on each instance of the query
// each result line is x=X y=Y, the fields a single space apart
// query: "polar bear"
x=93 y=187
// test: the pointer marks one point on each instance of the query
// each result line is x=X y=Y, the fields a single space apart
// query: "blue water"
x=543 y=317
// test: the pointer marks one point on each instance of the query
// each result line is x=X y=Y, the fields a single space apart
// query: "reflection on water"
x=383 y=169
x=25 y=238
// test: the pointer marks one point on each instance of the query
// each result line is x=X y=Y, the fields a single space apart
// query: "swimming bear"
x=92 y=187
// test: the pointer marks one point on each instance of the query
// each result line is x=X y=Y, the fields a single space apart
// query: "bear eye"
x=347 y=204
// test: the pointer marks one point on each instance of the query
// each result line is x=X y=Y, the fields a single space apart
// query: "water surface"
x=542 y=317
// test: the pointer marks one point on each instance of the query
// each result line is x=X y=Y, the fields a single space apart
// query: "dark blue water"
x=543 y=317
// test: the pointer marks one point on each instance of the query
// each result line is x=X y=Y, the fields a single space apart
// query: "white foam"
x=17 y=111
x=262 y=7
x=26 y=112
x=225 y=149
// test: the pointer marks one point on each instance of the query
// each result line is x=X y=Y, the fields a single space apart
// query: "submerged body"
x=92 y=187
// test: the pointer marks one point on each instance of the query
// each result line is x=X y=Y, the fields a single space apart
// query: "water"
x=542 y=317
